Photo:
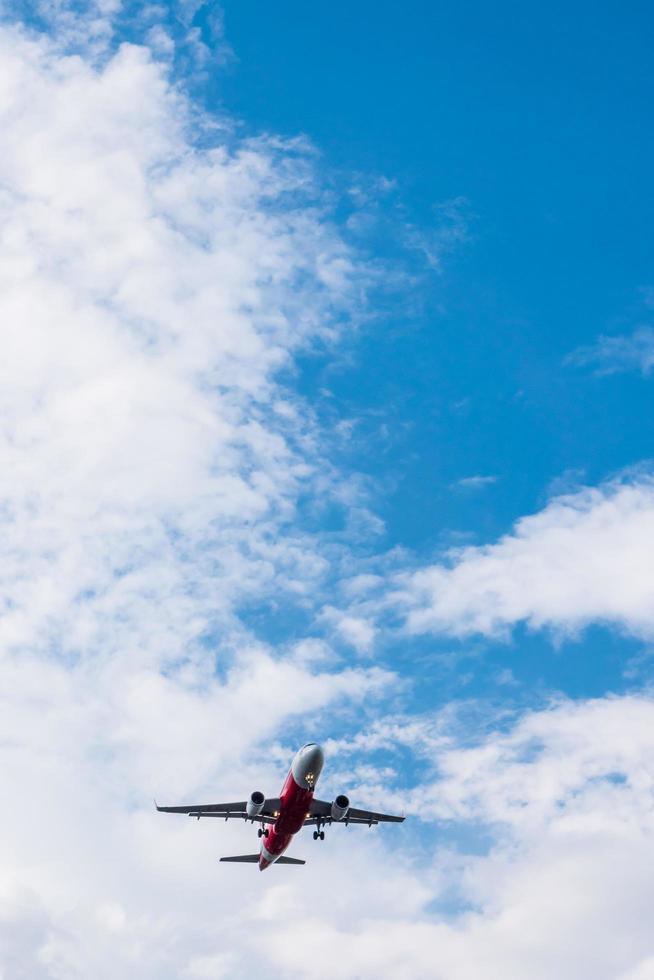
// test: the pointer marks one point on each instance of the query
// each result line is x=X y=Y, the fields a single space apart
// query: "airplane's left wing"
x=323 y=811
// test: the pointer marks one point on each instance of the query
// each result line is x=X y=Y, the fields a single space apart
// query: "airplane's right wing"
x=226 y=811
x=237 y=809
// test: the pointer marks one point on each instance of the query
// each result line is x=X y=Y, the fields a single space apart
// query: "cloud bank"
x=156 y=276
x=560 y=811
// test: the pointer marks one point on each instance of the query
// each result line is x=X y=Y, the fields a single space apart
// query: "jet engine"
x=255 y=804
x=340 y=806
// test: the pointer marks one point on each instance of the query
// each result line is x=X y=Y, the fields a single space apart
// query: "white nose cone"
x=307 y=765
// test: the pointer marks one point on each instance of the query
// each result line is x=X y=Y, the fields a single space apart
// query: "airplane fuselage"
x=294 y=803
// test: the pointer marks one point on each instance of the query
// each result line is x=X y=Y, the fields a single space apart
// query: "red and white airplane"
x=282 y=817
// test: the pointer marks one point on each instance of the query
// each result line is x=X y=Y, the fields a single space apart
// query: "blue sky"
x=541 y=125
x=325 y=414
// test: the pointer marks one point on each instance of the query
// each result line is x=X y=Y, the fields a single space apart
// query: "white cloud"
x=149 y=293
x=150 y=466
x=453 y=220
x=586 y=557
x=631 y=352
x=88 y=866
x=356 y=631
x=210 y=967
x=477 y=482
x=84 y=25
x=565 y=799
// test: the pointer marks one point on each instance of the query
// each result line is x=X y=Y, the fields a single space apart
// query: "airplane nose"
x=315 y=758
x=307 y=765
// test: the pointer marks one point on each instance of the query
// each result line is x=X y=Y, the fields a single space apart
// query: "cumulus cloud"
x=356 y=631
x=586 y=557
x=150 y=291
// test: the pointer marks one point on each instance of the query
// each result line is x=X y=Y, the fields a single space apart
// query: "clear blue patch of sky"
x=525 y=670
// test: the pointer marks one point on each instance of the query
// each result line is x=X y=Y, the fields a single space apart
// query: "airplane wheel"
x=322 y=835
x=265 y=833
x=315 y=835
x=259 y=832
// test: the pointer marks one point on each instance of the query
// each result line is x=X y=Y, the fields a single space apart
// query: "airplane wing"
x=226 y=811
x=321 y=811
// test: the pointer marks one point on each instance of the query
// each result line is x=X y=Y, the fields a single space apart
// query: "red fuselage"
x=294 y=803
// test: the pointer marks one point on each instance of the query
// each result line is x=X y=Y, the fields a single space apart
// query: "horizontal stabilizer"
x=254 y=859
x=243 y=858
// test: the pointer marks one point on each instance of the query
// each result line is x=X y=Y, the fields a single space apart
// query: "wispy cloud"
x=475 y=482
x=630 y=352
x=453 y=219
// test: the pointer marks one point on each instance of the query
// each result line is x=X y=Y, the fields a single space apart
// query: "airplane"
x=283 y=816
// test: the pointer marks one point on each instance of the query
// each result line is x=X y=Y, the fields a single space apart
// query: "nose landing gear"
x=261 y=832
x=319 y=834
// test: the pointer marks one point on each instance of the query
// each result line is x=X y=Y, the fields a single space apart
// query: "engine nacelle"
x=340 y=806
x=255 y=804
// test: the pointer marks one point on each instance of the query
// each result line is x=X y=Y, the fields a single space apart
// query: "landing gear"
x=261 y=832
x=319 y=835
